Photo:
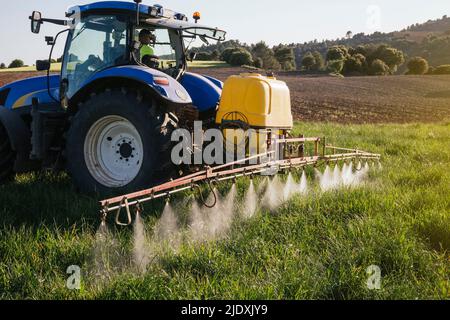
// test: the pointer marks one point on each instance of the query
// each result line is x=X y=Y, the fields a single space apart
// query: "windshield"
x=97 y=42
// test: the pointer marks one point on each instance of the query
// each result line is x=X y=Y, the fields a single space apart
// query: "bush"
x=319 y=62
x=379 y=68
x=203 y=56
x=2 y=66
x=337 y=53
x=355 y=64
x=226 y=54
x=262 y=50
x=335 y=66
x=308 y=61
x=215 y=55
x=259 y=63
x=390 y=56
x=241 y=57
x=17 y=63
x=417 y=65
x=443 y=69
x=286 y=57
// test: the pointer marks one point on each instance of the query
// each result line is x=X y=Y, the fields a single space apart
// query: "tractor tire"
x=7 y=156
x=117 y=143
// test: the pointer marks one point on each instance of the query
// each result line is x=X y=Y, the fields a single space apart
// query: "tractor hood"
x=20 y=93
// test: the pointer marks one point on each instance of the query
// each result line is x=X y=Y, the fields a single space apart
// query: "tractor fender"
x=171 y=94
x=19 y=136
x=205 y=92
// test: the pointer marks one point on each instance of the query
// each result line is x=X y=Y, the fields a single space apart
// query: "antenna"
x=137 y=11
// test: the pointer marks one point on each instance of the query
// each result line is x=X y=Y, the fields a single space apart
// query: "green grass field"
x=56 y=67
x=315 y=247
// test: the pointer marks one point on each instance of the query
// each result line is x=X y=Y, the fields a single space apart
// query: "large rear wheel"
x=117 y=143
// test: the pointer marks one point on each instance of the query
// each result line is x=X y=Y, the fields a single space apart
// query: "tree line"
x=368 y=59
x=18 y=63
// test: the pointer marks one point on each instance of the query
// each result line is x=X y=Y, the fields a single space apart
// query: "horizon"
x=368 y=16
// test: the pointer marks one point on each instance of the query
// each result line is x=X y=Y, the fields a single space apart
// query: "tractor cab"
x=105 y=35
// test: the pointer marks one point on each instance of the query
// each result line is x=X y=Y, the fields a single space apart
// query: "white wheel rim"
x=113 y=151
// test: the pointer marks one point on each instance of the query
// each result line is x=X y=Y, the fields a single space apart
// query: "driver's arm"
x=147 y=60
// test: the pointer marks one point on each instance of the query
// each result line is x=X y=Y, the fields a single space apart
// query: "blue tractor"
x=107 y=118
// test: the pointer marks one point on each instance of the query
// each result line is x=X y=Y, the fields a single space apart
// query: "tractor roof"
x=154 y=15
x=113 y=6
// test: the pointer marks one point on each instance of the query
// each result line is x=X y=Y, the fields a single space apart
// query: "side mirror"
x=36 y=21
x=42 y=65
x=192 y=56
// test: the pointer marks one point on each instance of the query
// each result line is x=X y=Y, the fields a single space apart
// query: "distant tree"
x=349 y=35
x=355 y=64
x=335 y=66
x=215 y=55
x=337 y=53
x=379 y=68
x=241 y=57
x=226 y=54
x=52 y=61
x=319 y=62
x=17 y=63
x=417 y=65
x=203 y=56
x=258 y=63
x=285 y=56
x=60 y=59
x=308 y=61
x=261 y=50
x=390 y=56
x=2 y=66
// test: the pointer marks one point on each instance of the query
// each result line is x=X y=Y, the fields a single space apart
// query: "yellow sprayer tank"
x=264 y=102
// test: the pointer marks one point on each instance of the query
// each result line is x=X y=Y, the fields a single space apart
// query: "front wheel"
x=116 y=144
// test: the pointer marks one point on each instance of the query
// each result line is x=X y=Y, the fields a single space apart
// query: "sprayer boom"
x=292 y=154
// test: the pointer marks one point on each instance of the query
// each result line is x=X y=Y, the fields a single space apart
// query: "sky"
x=282 y=21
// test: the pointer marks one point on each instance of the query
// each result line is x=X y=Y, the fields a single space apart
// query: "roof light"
x=156 y=11
x=196 y=16
x=180 y=16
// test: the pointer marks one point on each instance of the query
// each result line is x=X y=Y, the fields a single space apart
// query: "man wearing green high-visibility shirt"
x=147 y=53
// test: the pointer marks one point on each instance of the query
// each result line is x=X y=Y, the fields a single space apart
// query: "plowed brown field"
x=395 y=99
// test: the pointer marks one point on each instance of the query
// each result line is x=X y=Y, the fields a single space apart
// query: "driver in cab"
x=147 y=52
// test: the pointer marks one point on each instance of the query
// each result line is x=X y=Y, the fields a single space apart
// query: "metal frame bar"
x=228 y=172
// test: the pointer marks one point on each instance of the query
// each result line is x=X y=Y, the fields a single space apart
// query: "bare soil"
x=391 y=99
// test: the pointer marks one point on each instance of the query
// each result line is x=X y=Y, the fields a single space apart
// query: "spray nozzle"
x=167 y=197
x=104 y=214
